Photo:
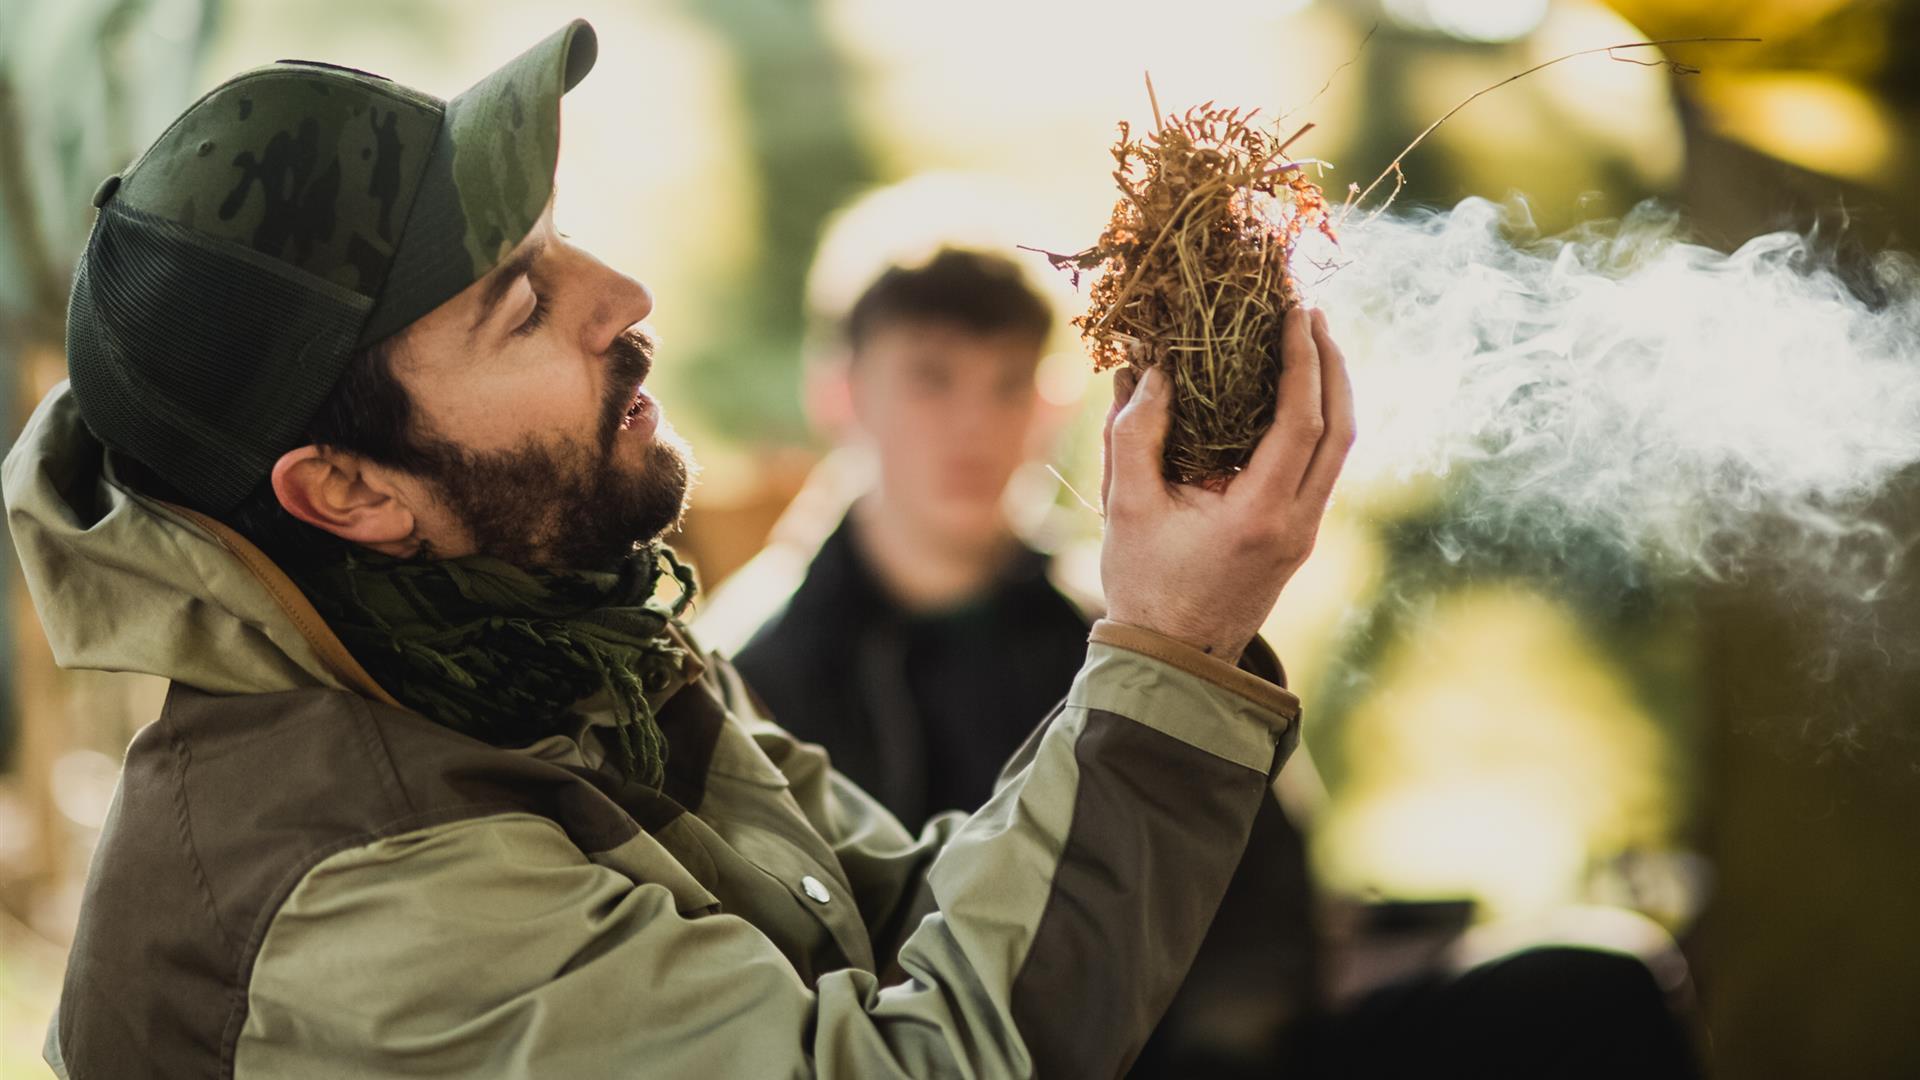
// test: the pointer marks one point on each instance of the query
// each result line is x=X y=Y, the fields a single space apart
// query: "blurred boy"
x=924 y=585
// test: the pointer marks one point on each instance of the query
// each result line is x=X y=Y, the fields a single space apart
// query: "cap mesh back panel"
x=201 y=359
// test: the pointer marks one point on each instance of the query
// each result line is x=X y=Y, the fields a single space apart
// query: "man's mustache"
x=629 y=362
x=631 y=355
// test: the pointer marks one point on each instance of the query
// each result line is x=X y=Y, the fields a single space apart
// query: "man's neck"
x=921 y=568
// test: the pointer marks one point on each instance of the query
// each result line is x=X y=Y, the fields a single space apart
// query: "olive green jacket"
x=301 y=878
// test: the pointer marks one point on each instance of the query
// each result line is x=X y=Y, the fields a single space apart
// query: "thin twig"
x=1399 y=183
x=1678 y=68
x=1294 y=138
x=1328 y=85
x=1159 y=122
x=1065 y=483
x=1297 y=163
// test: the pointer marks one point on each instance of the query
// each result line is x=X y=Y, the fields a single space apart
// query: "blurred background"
x=1509 y=731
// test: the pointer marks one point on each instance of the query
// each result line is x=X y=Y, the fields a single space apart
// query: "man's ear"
x=342 y=494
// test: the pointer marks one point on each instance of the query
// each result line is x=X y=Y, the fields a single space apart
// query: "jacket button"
x=815 y=891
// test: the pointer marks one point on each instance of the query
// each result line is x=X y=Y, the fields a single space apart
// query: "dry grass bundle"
x=1196 y=258
x=1197 y=278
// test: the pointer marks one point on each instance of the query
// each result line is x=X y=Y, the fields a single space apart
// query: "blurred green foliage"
x=809 y=159
x=84 y=84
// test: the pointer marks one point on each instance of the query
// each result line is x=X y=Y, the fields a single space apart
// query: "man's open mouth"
x=634 y=408
x=631 y=357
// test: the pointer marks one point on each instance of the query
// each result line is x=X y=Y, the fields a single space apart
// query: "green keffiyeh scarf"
x=504 y=654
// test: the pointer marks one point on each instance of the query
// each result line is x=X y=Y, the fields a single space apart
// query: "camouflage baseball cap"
x=297 y=213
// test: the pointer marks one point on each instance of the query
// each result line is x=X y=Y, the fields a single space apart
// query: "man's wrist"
x=1206 y=640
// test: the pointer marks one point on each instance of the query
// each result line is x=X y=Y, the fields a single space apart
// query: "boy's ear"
x=345 y=495
x=1050 y=420
x=827 y=395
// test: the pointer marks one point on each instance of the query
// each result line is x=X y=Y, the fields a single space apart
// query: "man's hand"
x=1206 y=567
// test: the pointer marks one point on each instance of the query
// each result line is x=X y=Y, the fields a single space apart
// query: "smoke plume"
x=1700 y=414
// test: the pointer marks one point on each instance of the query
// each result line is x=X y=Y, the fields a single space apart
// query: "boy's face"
x=951 y=413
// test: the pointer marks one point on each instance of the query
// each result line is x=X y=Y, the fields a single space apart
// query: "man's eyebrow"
x=502 y=279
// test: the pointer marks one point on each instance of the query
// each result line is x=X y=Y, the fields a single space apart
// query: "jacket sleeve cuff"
x=1259 y=677
x=1175 y=688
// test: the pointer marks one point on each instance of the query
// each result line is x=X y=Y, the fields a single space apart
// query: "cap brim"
x=488 y=178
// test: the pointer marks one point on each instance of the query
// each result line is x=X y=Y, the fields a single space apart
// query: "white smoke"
x=1700 y=413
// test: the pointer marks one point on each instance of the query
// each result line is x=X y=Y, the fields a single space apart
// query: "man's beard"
x=569 y=503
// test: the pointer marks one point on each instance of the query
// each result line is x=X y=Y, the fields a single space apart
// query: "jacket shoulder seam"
x=382 y=755
x=183 y=821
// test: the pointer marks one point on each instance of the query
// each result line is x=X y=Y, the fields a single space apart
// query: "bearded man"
x=356 y=453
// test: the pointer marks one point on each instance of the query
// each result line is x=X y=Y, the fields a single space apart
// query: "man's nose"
x=622 y=301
